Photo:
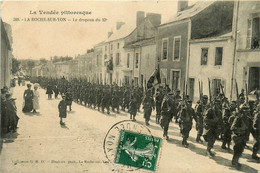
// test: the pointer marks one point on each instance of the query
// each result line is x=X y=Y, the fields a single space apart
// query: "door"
x=254 y=81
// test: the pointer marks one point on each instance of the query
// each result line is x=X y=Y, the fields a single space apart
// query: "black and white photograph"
x=167 y=86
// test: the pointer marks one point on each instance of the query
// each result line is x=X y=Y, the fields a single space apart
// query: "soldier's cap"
x=8 y=95
x=205 y=97
x=63 y=95
x=29 y=85
x=3 y=91
x=244 y=107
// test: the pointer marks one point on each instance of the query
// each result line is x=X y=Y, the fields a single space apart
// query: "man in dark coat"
x=62 y=109
x=49 y=91
x=11 y=112
x=133 y=106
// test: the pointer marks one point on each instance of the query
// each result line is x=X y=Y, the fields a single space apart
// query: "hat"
x=205 y=97
x=29 y=85
x=63 y=95
x=244 y=107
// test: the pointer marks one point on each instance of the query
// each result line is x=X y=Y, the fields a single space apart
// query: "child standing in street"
x=62 y=109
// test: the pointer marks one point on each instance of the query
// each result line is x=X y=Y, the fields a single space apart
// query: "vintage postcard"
x=167 y=86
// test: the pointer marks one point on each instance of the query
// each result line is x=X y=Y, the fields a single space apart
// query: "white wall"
x=203 y=72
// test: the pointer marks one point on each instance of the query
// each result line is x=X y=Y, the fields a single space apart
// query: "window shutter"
x=249 y=34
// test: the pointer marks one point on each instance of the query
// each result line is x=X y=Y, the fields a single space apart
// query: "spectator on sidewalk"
x=28 y=99
x=36 y=96
x=11 y=113
x=62 y=109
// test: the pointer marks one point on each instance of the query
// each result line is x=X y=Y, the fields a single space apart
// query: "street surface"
x=41 y=145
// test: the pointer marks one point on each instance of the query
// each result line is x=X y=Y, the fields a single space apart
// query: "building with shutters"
x=247 y=55
x=204 y=19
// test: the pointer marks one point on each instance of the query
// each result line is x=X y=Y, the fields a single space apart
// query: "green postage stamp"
x=137 y=150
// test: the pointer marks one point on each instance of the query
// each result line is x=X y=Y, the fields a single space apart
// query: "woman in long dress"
x=28 y=99
x=36 y=96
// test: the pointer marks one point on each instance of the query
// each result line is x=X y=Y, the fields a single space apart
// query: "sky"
x=36 y=40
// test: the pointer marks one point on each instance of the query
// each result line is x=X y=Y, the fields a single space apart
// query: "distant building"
x=211 y=58
x=140 y=48
x=6 y=55
x=246 y=60
x=202 y=20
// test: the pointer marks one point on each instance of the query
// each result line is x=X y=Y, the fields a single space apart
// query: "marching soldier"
x=187 y=114
x=133 y=106
x=240 y=128
x=99 y=92
x=256 y=126
x=106 y=99
x=211 y=125
x=115 y=100
x=158 y=104
x=167 y=111
x=200 y=108
x=177 y=100
x=227 y=113
x=148 y=105
x=126 y=99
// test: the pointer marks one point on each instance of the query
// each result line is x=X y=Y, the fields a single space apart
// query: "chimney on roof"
x=119 y=25
x=109 y=34
x=154 y=18
x=140 y=15
x=182 y=5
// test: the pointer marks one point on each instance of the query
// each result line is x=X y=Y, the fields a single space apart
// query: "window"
x=105 y=59
x=204 y=56
x=111 y=57
x=97 y=60
x=175 y=79
x=111 y=46
x=118 y=45
x=218 y=55
x=136 y=81
x=105 y=48
x=136 y=60
x=177 y=48
x=117 y=59
x=164 y=49
x=255 y=33
x=128 y=60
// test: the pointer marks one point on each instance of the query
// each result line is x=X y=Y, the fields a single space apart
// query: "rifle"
x=246 y=94
x=237 y=91
x=210 y=98
x=222 y=90
x=200 y=91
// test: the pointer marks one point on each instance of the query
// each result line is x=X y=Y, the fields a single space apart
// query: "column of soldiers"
x=216 y=119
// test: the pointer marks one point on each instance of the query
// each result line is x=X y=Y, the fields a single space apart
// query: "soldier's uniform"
x=148 y=105
x=200 y=109
x=158 y=105
x=177 y=100
x=133 y=106
x=226 y=136
x=106 y=99
x=256 y=126
x=115 y=100
x=187 y=114
x=211 y=125
x=240 y=128
x=126 y=99
x=167 y=111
